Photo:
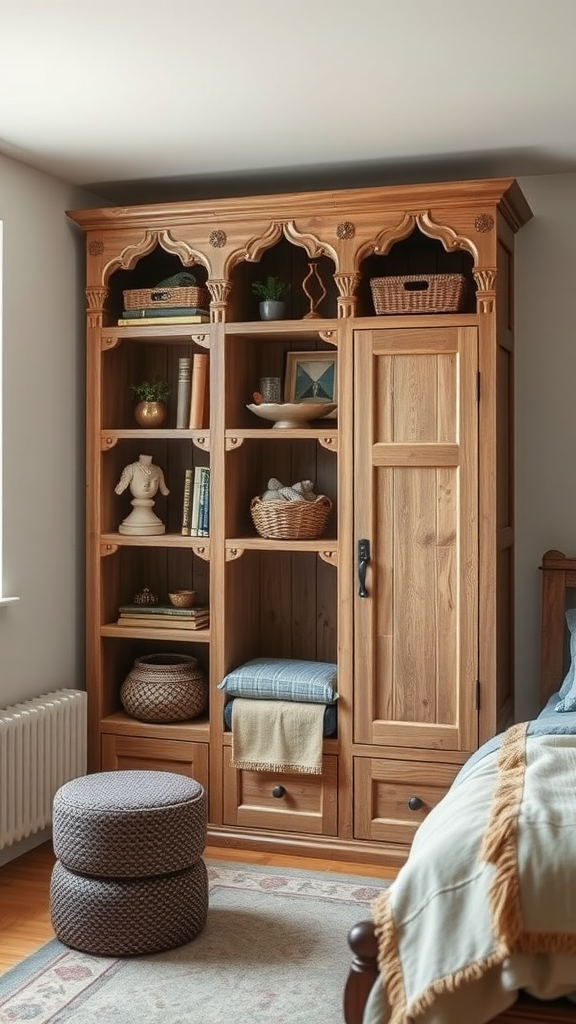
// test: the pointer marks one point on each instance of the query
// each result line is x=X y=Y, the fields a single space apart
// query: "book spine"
x=139 y=321
x=195 y=502
x=204 y=512
x=153 y=314
x=183 y=393
x=197 y=400
x=187 y=503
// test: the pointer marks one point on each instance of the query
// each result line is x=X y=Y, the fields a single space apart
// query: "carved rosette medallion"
x=96 y=248
x=483 y=223
x=345 y=230
x=218 y=239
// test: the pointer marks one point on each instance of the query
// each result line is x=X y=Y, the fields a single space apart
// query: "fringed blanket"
x=489 y=887
x=277 y=736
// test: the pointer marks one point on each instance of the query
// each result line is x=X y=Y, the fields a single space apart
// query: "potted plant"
x=272 y=293
x=151 y=409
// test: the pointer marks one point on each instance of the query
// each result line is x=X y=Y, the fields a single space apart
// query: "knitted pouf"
x=129 y=878
x=126 y=917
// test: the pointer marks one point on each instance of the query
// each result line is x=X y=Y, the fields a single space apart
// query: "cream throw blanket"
x=277 y=735
x=490 y=883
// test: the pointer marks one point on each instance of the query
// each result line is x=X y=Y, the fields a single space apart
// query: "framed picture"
x=311 y=377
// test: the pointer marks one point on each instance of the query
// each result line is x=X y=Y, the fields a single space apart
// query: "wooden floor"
x=24 y=885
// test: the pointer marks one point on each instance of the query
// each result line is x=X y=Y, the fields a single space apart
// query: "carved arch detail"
x=385 y=239
x=132 y=254
x=257 y=245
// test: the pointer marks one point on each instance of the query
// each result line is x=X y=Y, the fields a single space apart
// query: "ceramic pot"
x=272 y=309
x=164 y=688
x=150 y=414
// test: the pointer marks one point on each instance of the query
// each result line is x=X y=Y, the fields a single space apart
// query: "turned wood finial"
x=362 y=942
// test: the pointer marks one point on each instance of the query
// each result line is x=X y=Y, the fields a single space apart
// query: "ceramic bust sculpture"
x=144 y=480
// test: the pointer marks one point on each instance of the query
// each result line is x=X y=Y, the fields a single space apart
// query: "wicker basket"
x=167 y=298
x=291 y=520
x=164 y=688
x=419 y=293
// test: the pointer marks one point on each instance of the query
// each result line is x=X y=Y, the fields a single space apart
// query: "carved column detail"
x=485 y=278
x=95 y=300
x=347 y=285
x=219 y=292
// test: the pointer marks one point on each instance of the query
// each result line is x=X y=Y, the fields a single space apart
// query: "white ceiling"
x=120 y=95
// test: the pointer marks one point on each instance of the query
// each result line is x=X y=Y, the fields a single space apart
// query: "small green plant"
x=273 y=289
x=151 y=390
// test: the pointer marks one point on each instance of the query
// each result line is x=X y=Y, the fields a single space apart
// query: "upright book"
x=187 y=502
x=183 y=393
x=198 y=391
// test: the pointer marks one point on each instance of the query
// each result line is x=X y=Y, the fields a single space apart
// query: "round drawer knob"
x=415 y=803
x=278 y=791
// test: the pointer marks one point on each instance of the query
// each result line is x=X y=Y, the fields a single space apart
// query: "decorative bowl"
x=182 y=598
x=286 y=415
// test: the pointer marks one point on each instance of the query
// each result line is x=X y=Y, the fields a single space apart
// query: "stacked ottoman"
x=129 y=878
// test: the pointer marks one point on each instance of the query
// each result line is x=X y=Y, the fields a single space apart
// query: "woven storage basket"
x=164 y=688
x=167 y=298
x=291 y=520
x=419 y=293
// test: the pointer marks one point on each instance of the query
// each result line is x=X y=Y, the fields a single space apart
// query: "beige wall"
x=545 y=403
x=41 y=635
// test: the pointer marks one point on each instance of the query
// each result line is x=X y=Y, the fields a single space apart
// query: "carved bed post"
x=363 y=970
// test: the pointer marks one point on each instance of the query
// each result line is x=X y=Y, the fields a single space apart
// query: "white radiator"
x=42 y=746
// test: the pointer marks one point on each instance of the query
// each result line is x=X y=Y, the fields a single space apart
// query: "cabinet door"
x=416 y=486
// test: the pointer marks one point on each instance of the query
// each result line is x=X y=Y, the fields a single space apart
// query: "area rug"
x=274 y=951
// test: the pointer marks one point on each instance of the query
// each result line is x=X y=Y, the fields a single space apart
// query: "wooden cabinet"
x=409 y=588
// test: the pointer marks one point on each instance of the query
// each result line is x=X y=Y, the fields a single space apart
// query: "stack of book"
x=173 y=315
x=196 y=505
x=164 y=616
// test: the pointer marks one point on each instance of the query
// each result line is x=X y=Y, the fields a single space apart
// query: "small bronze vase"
x=150 y=414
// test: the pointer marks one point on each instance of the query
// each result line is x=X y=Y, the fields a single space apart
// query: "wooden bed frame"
x=558 y=575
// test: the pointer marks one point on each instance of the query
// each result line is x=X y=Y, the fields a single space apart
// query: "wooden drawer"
x=308 y=803
x=139 y=752
x=384 y=790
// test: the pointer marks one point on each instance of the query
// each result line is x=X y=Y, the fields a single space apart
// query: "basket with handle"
x=418 y=293
x=178 y=290
x=291 y=520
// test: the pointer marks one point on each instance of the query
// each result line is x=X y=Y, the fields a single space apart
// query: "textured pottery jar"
x=164 y=688
x=150 y=414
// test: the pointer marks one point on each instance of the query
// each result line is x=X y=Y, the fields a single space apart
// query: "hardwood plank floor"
x=25 y=882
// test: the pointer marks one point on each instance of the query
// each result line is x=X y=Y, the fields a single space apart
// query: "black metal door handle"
x=363 y=559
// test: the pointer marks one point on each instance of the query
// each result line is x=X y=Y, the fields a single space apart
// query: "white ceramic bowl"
x=286 y=415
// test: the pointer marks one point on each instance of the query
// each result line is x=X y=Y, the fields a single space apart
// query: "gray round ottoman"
x=129 y=876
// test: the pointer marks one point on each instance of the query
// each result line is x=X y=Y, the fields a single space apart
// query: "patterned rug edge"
x=23 y=972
